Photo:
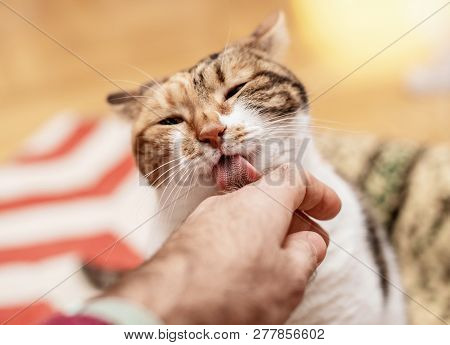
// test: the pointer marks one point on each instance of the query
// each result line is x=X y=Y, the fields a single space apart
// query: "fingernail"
x=278 y=174
x=319 y=245
x=313 y=227
x=285 y=170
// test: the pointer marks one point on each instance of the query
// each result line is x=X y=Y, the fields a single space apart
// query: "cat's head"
x=239 y=101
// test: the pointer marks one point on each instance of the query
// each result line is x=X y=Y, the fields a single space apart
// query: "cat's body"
x=350 y=286
x=242 y=102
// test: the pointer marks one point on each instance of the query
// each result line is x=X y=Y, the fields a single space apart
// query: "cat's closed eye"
x=173 y=120
x=234 y=90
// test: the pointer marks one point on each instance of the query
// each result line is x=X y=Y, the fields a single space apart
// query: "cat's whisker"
x=285 y=122
x=192 y=182
x=306 y=122
x=249 y=138
x=283 y=136
x=331 y=128
x=286 y=134
x=315 y=137
x=146 y=75
x=309 y=119
x=251 y=134
x=325 y=121
x=227 y=43
x=276 y=125
x=337 y=129
x=176 y=187
x=133 y=96
x=295 y=144
x=173 y=173
x=162 y=197
x=287 y=130
x=169 y=177
x=162 y=165
x=282 y=125
x=185 y=178
x=160 y=91
x=285 y=118
x=286 y=126
x=167 y=171
x=132 y=83
x=313 y=128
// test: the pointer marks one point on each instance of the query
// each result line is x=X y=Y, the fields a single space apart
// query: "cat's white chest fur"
x=347 y=286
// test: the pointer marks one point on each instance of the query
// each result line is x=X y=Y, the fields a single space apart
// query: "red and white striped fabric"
x=70 y=194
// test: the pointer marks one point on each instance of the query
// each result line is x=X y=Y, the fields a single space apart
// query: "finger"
x=272 y=200
x=301 y=190
x=292 y=190
x=283 y=185
x=307 y=249
x=320 y=201
x=301 y=222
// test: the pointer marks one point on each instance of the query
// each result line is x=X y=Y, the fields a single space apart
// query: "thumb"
x=307 y=249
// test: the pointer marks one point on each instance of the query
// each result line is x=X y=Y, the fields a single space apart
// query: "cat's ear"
x=124 y=103
x=271 y=36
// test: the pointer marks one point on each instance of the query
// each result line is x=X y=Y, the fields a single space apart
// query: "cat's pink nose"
x=212 y=133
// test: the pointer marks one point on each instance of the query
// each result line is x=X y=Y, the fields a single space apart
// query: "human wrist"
x=118 y=311
x=152 y=287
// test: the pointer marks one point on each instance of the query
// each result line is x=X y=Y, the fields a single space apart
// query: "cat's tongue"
x=234 y=172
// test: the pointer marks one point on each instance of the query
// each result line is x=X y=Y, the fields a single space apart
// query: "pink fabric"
x=61 y=319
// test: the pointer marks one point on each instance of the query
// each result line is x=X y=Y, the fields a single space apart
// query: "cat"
x=242 y=102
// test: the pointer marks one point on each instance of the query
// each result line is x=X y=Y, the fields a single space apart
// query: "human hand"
x=242 y=257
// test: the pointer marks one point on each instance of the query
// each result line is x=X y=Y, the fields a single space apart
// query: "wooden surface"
x=39 y=78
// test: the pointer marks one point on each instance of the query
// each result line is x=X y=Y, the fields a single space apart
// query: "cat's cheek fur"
x=265 y=147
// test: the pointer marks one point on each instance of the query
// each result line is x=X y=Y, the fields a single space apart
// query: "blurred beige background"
x=388 y=96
